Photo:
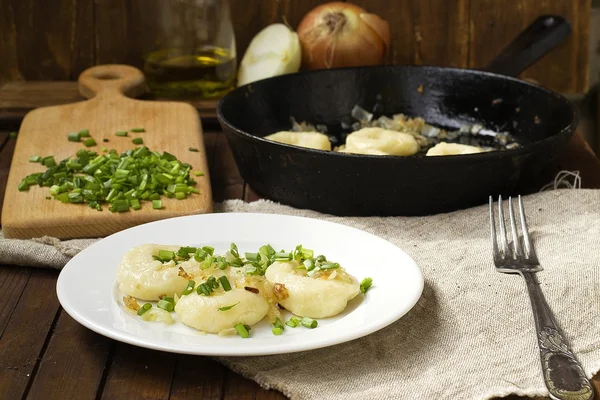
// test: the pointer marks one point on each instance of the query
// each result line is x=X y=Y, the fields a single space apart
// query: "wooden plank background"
x=57 y=39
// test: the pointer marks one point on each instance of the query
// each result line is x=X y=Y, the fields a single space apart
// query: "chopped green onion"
x=193 y=149
x=144 y=308
x=121 y=133
x=23 y=186
x=12 y=135
x=166 y=305
x=200 y=255
x=309 y=264
x=212 y=282
x=137 y=130
x=309 y=322
x=278 y=324
x=365 y=285
x=49 y=162
x=138 y=140
x=329 y=266
x=73 y=137
x=204 y=289
x=84 y=133
x=242 y=330
x=252 y=256
x=276 y=331
x=198 y=173
x=225 y=283
x=35 y=159
x=119 y=205
x=180 y=196
x=89 y=142
x=135 y=204
x=166 y=255
x=189 y=288
x=156 y=204
x=283 y=256
x=293 y=322
x=226 y=308
x=233 y=249
x=210 y=250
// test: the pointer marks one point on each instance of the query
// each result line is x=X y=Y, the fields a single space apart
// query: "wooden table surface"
x=45 y=354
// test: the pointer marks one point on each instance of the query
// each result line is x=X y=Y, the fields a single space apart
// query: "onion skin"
x=340 y=34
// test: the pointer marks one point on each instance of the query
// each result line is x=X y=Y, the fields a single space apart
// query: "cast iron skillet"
x=346 y=184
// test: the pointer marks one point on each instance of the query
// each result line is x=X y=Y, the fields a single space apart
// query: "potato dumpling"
x=311 y=140
x=310 y=297
x=139 y=275
x=202 y=312
x=375 y=140
x=448 y=149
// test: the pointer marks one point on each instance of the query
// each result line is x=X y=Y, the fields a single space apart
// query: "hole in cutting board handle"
x=107 y=76
x=112 y=79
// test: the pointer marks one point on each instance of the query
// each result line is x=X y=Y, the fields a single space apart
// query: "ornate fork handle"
x=563 y=375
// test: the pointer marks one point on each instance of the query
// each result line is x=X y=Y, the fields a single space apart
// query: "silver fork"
x=563 y=375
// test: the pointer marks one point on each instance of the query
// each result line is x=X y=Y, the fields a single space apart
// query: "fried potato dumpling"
x=449 y=149
x=141 y=276
x=311 y=140
x=374 y=140
x=312 y=297
x=202 y=312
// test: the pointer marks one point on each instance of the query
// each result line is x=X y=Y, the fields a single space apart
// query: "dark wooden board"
x=57 y=39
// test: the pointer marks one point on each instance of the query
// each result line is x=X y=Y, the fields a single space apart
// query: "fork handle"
x=563 y=375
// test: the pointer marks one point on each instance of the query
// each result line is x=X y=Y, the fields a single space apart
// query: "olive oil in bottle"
x=209 y=72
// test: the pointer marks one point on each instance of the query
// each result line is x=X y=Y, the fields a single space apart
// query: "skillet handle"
x=543 y=35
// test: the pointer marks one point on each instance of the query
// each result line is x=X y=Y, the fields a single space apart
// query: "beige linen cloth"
x=470 y=336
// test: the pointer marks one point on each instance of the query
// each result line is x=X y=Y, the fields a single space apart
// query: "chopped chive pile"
x=122 y=181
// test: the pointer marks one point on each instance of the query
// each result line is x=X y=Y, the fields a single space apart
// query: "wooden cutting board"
x=169 y=126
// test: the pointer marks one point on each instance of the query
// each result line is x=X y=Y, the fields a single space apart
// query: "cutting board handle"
x=112 y=79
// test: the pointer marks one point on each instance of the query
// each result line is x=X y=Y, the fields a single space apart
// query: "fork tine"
x=503 y=237
x=526 y=240
x=513 y=227
x=493 y=230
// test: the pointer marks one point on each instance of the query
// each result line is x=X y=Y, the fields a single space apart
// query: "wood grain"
x=57 y=39
x=229 y=184
x=72 y=351
x=497 y=22
x=172 y=127
x=425 y=32
x=12 y=283
x=25 y=335
x=137 y=373
x=18 y=98
x=7 y=148
x=240 y=388
x=197 y=378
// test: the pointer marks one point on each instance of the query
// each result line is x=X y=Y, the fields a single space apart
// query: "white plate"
x=87 y=287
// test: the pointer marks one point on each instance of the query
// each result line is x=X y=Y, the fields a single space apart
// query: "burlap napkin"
x=470 y=336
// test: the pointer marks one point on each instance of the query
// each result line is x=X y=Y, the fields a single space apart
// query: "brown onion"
x=340 y=34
